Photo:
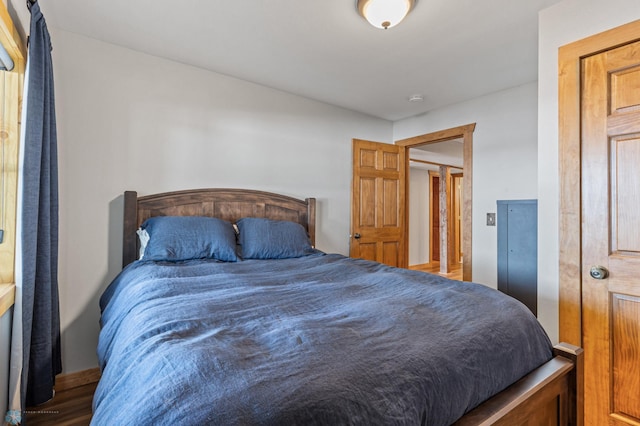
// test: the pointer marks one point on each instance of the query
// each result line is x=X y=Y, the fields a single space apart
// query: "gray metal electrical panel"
x=518 y=250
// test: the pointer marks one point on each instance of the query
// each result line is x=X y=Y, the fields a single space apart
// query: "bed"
x=286 y=334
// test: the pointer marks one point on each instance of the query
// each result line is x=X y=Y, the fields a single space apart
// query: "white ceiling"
x=447 y=50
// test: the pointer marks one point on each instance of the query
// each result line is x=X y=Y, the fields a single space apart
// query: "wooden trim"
x=10 y=39
x=11 y=83
x=466 y=133
x=569 y=159
x=439 y=136
x=433 y=163
x=73 y=380
x=7 y=297
x=10 y=95
x=467 y=203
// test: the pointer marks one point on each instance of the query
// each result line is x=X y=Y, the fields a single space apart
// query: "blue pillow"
x=272 y=239
x=176 y=238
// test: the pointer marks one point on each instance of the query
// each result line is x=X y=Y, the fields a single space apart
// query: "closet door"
x=611 y=235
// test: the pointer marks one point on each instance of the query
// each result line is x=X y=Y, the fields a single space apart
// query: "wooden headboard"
x=226 y=204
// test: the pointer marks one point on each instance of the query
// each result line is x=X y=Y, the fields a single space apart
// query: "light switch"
x=491 y=219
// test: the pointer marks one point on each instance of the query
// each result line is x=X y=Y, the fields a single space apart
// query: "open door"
x=378 y=203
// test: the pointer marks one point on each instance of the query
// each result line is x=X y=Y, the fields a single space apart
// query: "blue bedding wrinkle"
x=321 y=339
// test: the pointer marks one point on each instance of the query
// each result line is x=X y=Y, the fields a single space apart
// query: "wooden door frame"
x=569 y=158
x=466 y=133
x=12 y=98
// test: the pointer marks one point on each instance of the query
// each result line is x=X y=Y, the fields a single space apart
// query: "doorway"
x=447 y=251
x=426 y=201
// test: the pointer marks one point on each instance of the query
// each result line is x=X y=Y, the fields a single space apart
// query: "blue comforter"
x=322 y=339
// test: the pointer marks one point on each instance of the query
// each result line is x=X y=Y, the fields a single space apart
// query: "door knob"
x=598 y=272
x=356 y=236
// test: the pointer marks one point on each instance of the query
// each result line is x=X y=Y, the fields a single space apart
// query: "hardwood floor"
x=71 y=407
x=434 y=268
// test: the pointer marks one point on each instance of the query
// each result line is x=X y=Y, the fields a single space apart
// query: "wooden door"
x=611 y=235
x=457 y=215
x=378 y=203
x=435 y=217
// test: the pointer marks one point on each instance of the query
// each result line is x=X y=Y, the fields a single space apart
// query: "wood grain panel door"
x=378 y=203
x=435 y=216
x=611 y=235
x=457 y=215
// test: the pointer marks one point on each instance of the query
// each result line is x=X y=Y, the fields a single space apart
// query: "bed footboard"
x=549 y=395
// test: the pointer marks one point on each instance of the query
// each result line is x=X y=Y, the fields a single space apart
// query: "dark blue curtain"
x=40 y=308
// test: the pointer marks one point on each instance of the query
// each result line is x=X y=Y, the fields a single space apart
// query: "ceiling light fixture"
x=384 y=13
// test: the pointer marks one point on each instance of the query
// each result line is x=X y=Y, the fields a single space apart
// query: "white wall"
x=566 y=22
x=418 y=216
x=20 y=16
x=129 y=121
x=504 y=159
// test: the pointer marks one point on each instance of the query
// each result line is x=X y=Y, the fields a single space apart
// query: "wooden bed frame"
x=549 y=395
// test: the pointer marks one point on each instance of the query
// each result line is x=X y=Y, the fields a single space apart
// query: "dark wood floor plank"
x=70 y=407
